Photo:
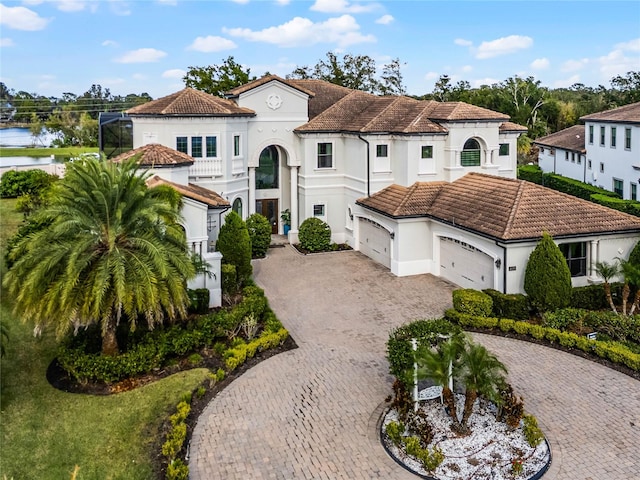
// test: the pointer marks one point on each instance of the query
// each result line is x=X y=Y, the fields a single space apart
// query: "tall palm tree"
x=608 y=271
x=481 y=372
x=441 y=365
x=113 y=249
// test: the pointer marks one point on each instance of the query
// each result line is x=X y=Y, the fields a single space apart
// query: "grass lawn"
x=46 y=152
x=45 y=433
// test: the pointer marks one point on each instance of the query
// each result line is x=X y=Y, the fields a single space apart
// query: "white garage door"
x=465 y=265
x=375 y=242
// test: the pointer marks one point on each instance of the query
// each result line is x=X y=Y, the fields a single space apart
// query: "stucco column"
x=456 y=159
x=294 y=198
x=252 y=190
x=593 y=257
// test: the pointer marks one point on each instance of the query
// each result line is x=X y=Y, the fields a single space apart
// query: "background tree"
x=218 y=79
x=547 y=278
x=235 y=245
x=259 y=230
x=391 y=79
x=112 y=252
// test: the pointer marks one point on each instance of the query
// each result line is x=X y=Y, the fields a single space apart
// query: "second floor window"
x=236 y=145
x=182 y=145
x=591 y=134
x=470 y=155
x=427 y=151
x=325 y=155
x=602 y=136
x=627 y=138
x=504 y=149
x=196 y=147
x=382 y=150
x=212 y=147
x=613 y=137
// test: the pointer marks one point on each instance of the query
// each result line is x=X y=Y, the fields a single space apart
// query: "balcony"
x=206 y=167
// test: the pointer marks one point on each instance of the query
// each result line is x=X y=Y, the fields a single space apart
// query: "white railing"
x=206 y=167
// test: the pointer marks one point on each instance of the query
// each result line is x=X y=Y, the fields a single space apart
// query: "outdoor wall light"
x=498 y=263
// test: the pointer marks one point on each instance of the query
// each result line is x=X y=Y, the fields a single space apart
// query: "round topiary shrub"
x=315 y=235
x=547 y=279
x=260 y=234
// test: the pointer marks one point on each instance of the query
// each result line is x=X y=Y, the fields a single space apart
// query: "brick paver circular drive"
x=310 y=413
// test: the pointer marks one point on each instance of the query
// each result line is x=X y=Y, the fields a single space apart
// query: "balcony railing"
x=206 y=167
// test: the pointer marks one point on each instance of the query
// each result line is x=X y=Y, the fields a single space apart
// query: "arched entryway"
x=267 y=185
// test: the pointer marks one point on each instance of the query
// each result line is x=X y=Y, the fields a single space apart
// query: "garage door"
x=464 y=265
x=375 y=242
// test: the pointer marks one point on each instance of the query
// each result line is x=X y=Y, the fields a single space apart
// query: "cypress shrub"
x=229 y=279
x=315 y=235
x=547 y=279
x=260 y=234
x=235 y=245
x=472 y=302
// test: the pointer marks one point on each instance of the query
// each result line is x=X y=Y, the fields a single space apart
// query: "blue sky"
x=51 y=47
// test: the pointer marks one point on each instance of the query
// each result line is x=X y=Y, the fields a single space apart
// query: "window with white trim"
x=325 y=155
x=613 y=137
x=196 y=147
x=382 y=161
x=633 y=188
x=504 y=149
x=601 y=167
x=470 y=155
x=211 y=146
x=426 y=163
x=182 y=144
x=591 y=134
x=602 y=136
x=576 y=256
x=627 y=139
x=618 y=187
x=319 y=210
x=236 y=146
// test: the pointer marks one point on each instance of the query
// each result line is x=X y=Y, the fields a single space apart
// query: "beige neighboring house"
x=201 y=212
x=359 y=161
x=604 y=152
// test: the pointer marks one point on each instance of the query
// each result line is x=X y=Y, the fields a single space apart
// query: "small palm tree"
x=481 y=373
x=441 y=365
x=608 y=271
x=112 y=250
x=631 y=274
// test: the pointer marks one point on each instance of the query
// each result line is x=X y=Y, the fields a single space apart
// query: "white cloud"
x=21 y=18
x=142 y=55
x=71 y=5
x=120 y=8
x=139 y=76
x=431 y=75
x=108 y=82
x=467 y=68
x=211 y=44
x=617 y=63
x=174 y=73
x=385 y=20
x=109 y=43
x=631 y=45
x=242 y=2
x=566 y=82
x=503 y=46
x=574 y=65
x=6 y=42
x=283 y=2
x=171 y=3
x=342 y=6
x=343 y=31
x=540 y=64
x=462 y=42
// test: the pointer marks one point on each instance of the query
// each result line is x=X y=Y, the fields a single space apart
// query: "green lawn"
x=46 y=152
x=45 y=433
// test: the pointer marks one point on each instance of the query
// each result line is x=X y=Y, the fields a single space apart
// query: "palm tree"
x=441 y=365
x=481 y=372
x=631 y=274
x=608 y=271
x=113 y=249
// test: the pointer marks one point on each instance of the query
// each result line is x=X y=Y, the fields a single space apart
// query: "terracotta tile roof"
x=460 y=111
x=571 y=138
x=326 y=94
x=191 y=102
x=156 y=155
x=266 y=79
x=512 y=127
x=625 y=114
x=195 y=192
x=501 y=208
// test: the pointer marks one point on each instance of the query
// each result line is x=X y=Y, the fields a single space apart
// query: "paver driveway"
x=310 y=413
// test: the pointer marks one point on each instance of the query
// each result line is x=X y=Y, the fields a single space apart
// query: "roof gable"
x=625 y=114
x=235 y=92
x=501 y=208
x=571 y=138
x=191 y=102
x=156 y=155
x=194 y=192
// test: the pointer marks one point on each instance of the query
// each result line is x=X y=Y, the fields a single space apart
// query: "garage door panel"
x=375 y=242
x=464 y=265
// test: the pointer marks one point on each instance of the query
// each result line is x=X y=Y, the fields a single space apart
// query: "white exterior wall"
x=568 y=163
x=618 y=162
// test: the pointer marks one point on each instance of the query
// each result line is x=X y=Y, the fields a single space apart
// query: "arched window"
x=470 y=156
x=237 y=206
x=267 y=171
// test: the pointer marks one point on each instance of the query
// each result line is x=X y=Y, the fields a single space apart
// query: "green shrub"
x=634 y=256
x=472 y=302
x=574 y=187
x=198 y=300
x=314 y=235
x=235 y=245
x=632 y=207
x=523 y=328
x=506 y=324
x=177 y=470
x=260 y=234
x=564 y=318
x=394 y=432
x=547 y=279
x=174 y=440
x=15 y=183
x=552 y=334
x=537 y=332
x=229 y=279
x=513 y=305
x=589 y=297
x=530 y=173
x=220 y=374
x=531 y=431
x=182 y=412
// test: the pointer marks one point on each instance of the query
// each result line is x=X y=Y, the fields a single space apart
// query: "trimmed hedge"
x=632 y=207
x=473 y=302
x=400 y=350
x=513 y=305
x=574 y=187
x=614 y=351
x=530 y=173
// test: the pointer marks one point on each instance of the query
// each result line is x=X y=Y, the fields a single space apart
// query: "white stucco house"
x=604 y=152
x=418 y=186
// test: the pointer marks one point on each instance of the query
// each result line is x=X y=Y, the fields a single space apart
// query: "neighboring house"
x=605 y=151
x=320 y=150
x=201 y=211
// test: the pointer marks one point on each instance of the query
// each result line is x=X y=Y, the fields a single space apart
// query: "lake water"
x=21 y=137
x=25 y=161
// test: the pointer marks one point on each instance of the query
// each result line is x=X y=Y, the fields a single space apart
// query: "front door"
x=268 y=207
